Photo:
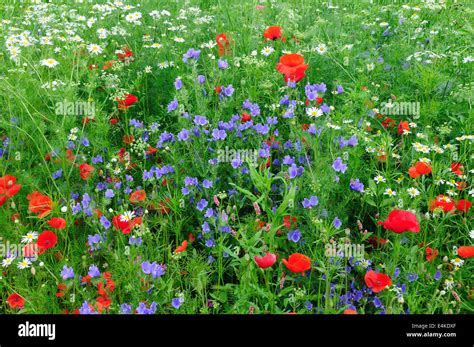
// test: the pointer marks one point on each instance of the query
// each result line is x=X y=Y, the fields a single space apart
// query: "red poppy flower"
x=245 y=118
x=57 y=223
x=297 y=263
x=39 y=203
x=457 y=168
x=273 y=33
x=69 y=155
x=292 y=66
x=466 y=251
x=182 y=247
x=108 y=64
x=85 y=171
x=431 y=253
x=403 y=127
x=400 y=221
x=8 y=188
x=46 y=240
x=113 y=121
x=464 y=205
x=137 y=196
x=128 y=101
x=126 y=55
x=388 y=123
x=128 y=139
x=443 y=203
x=349 y=311
x=16 y=301
x=377 y=281
x=419 y=169
x=266 y=261
x=223 y=44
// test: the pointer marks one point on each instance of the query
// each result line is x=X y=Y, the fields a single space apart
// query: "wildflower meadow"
x=236 y=157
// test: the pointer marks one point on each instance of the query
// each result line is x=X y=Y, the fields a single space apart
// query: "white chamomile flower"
x=29 y=237
x=321 y=48
x=457 y=262
x=390 y=192
x=24 y=264
x=370 y=66
x=94 y=49
x=7 y=261
x=50 y=62
x=413 y=192
x=266 y=51
x=127 y=216
x=314 y=112
x=379 y=179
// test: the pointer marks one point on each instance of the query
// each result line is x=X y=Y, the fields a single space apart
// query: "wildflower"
x=137 y=196
x=400 y=221
x=357 y=185
x=463 y=205
x=8 y=188
x=377 y=281
x=466 y=251
x=57 y=223
x=24 y=264
x=431 y=253
x=266 y=51
x=182 y=247
x=294 y=235
x=94 y=49
x=223 y=44
x=443 y=203
x=266 y=261
x=127 y=101
x=339 y=166
x=46 y=240
x=292 y=67
x=413 y=192
x=177 y=302
x=390 y=192
x=311 y=202
x=15 y=301
x=420 y=168
x=273 y=33
x=50 y=63
x=403 y=128
x=297 y=263
x=29 y=237
x=191 y=54
x=85 y=170
x=379 y=179
x=67 y=272
x=39 y=203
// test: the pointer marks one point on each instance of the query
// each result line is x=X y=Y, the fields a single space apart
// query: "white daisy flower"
x=379 y=179
x=413 y=192
x=314 y=112
x=29 y=237
x=7 y=261
x=127 y=216
x=24 y=264
x=94 y=49
x=266 y=51
x=390 y=192
x=50 y=62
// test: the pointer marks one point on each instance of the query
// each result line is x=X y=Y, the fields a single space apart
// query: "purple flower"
x=142 y=309
x=125 y=309
x=294 y=235
x=205 y=227
x=219 y=134
x=177 y=302
x=337 y=223
x=201 y=79
x=200 y=120
x=191 y=54
x=295 y=171
x=227 y=91
x=183 y=135
x=57 y=174
x=190 y=181
x=311 y=202
x=156 y=270
x=339 y=89
x=67 y=272
x=222 y=64
x=104 y=222
x=201 y=205
x=377 y=302
x=93 y=271
x=86 y=309
x=357 y=185
x=437 y=275
x=109 y=194
x=210 y=242
x=178 y=83
x=339 y=166
x=207 y=184
x=173 y=105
